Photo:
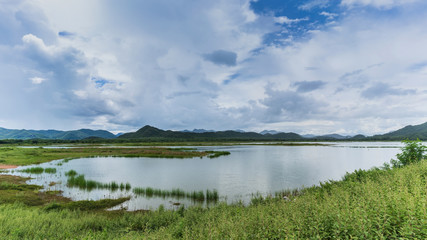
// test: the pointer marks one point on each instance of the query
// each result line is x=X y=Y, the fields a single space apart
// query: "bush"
x=412 y=152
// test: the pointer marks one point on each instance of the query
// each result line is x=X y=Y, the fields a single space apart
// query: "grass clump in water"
x=178 y=193
x=39 y=170
x=71 y=173
x=80 y=181
x=50 y=170
x=212 y=195
x=33 y=170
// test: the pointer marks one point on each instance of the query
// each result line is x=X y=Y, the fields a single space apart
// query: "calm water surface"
x=247 y=170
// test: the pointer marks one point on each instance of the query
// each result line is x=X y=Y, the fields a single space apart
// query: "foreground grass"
x=26 y=156
x=13 y=189
x=374 y=204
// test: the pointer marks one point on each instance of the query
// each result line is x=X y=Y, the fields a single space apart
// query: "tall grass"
x=71 y=173
x=199 y=196
x=33 y=170
x=80 y=182
x=38 y=170
x=50 y=170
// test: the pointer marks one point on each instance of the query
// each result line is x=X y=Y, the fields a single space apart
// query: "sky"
x=304 y=66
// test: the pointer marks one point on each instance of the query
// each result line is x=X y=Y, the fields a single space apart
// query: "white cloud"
x=329 y=15
x=37 y=80
x=284 y=19
x=378 y=3
x=314 y=4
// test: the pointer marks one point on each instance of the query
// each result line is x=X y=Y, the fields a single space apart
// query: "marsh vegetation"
x=27 y=156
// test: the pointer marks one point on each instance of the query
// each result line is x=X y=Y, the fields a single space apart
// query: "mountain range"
x=54 y=134
x=155 y=134
x=149 y=132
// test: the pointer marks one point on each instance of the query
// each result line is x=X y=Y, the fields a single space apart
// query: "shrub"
x=412 y=152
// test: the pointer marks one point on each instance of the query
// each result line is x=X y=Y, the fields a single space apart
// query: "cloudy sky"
x=307 y=66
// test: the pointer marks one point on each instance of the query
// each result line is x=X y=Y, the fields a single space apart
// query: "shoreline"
x=7 y=166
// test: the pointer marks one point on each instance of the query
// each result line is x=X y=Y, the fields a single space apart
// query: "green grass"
x=27 y=156
x=86 y=205
x=373 y=204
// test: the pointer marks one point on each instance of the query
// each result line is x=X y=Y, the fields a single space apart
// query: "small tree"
x=412 y=152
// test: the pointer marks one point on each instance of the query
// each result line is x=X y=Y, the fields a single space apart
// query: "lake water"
x=247 y=170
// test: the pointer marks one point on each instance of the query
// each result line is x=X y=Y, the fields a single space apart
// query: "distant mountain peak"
x=272 y=132
x=197 y=130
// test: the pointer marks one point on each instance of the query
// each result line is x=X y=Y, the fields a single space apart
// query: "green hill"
x=408 y=132
x=152 y=133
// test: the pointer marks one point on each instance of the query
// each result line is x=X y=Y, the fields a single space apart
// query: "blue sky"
x=314 y=66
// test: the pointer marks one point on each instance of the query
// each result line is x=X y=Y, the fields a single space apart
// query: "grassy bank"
x=374 y=204
x=26 y=156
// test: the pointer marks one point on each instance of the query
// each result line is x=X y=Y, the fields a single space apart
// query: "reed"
x=80 y=182
x=33 y=170
x=211 y=196
x=71 y=173
x=114 y=186
x=50 y=170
